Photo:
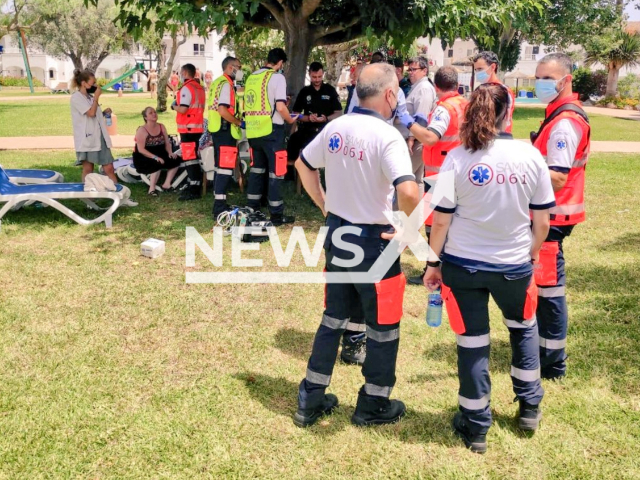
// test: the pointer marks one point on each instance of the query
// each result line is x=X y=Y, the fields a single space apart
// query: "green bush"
x=102 y=81
x=19 y=82
x=587 y=83
x=619 y=102
x=629 y=87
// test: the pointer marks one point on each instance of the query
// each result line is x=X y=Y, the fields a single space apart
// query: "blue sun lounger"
x=33 y=177
x=15 y=196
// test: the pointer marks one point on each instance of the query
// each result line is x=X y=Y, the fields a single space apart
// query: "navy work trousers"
x=380 y=304
x=471 y=290
x=552 y=312
x=264 y=150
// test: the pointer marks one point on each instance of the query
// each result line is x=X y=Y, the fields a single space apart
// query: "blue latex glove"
x=243 y=125
x=421 y=120
x=405 y=119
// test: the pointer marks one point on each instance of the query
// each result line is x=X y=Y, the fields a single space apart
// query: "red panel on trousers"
x=281 y=163
x=251 y=156
x=453 y=310
x=188 y=151
x=546 y=272
x=531 y=301
x=390 y=294
x=228 y=156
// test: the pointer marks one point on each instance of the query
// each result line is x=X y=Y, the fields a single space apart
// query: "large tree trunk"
x=77 y=61
x=298 y=44
x=94 y=63
x=165 y=69
x=336 y=57
x=612 y=80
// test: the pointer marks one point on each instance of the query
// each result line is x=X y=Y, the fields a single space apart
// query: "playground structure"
x=119 y=84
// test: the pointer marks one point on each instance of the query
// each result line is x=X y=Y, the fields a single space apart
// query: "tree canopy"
x=310 y=23
x=69 y=28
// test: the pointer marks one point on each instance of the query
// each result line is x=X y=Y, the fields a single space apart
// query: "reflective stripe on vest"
x=215 y=119
x=258 y=111
x=433 y=156
x=570 y=207
x=192 y=121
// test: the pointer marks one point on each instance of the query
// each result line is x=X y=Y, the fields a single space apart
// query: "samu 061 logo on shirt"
x=335 y=143
x=480 y=174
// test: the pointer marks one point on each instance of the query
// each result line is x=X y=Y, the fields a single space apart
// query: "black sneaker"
x=354 y=349
x=418 y=280
x=552 y=374
x=279 y=220
x=187 y=196
x=308 y=416
x=217 y=211
x=529 y=416
x=377 y=411
x=476 y=443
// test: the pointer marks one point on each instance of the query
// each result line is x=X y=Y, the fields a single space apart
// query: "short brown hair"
x=446 y=79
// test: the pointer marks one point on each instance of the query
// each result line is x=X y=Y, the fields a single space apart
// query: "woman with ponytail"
x=91 y=139
x=495 y=188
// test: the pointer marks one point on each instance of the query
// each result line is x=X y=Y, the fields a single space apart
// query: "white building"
x=460 y=52
x=204 y=53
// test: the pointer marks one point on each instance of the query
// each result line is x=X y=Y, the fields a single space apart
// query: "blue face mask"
x=546 y=89
x=483 y=76
x=394 y=111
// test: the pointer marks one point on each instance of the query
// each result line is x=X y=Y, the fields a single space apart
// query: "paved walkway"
x=63 y=96
x=607 y=112
x=57 y=143
x=127 y=141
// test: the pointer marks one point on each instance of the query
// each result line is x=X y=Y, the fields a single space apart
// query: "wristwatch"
x=434 y=264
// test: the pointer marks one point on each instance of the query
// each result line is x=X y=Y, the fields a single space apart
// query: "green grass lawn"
x=53 y=116
x=603 y=128
x=6 y=93
x=112 y=367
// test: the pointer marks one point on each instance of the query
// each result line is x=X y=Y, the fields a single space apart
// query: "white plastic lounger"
x=33 y=177
x=14 y=196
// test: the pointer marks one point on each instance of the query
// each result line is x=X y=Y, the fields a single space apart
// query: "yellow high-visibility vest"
x=215 y=119
x=257 y=108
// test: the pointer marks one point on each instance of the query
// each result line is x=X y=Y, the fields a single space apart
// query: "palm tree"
x=615 y=49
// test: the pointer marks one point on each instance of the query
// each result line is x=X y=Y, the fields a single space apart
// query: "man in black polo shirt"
x=319 y=104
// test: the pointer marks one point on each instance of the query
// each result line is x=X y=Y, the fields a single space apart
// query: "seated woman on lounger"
x=153 y=151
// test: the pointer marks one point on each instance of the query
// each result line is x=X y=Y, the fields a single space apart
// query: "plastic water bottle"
x=434 y=309
x=108 y=119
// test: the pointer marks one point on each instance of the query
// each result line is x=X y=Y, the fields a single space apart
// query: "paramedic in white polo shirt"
x=488 y=246
x=366 y=161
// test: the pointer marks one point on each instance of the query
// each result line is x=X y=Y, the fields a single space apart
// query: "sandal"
x=153 y=194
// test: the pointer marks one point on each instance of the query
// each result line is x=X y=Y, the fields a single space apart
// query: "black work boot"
x=310 y=409
x=189 y=195
x=372 y=410
x=279 y=220
x=418 y=280
x=529 y=416
x=475 y=442
x=354 y=349
x=217 y=210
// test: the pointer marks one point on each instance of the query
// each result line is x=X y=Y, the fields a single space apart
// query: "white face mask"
x=239 y=76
